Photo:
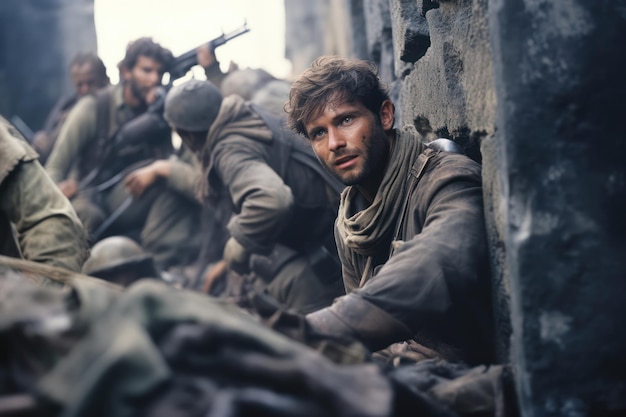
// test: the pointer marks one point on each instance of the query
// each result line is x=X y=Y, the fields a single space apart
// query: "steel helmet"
x=117 y=254
x=192 y=105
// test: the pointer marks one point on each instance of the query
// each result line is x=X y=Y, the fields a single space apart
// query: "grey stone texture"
x=559 y=74
x=534 y=89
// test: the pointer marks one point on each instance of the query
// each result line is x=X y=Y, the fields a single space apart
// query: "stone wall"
x=534 y=89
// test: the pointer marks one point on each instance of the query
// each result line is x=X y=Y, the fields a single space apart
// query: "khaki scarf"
x=234 y=118
x=366 y=230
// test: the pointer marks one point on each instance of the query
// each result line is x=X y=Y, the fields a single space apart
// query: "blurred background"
x=185 y=24
x=39 y=38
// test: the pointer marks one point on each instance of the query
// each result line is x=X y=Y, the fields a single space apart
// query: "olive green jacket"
x=37 y=222
x=80 y=132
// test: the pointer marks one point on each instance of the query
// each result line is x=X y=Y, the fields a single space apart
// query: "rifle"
x=130 y=147
x=185 y=61
x=129 y=144
x=144 y=131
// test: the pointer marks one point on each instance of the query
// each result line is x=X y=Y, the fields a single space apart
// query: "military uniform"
x=166 y=215
x=288 y=206
x=46 y=226
x=428 y=276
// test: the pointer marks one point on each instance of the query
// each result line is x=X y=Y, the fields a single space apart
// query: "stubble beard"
x=139 y=93
x=374 y=160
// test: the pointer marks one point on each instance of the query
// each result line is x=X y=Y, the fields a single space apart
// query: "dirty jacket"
x=46 y=227
x=79 y=134
x=294 y=208
x=431 y=282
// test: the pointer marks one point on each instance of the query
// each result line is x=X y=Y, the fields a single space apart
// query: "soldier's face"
x=85 y=79
x=144 y=77
x=351 y=142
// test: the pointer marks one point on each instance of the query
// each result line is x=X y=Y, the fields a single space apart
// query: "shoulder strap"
x=103 y=113
x=89 y=166
x=417 y=170
x=290 y=146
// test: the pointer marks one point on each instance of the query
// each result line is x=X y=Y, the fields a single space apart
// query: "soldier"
x=410 y=228
x=282 y=201
x=88 y=74
x=37 y=222
x=110 y=134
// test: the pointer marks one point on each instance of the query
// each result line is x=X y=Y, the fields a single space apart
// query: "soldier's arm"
x=184 y=174
x=78 y=130
x=205 y=55
x=48 y=229
x=262 y=200
x=427 y=275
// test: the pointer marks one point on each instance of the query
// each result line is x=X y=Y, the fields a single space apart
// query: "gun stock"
x=186 y=60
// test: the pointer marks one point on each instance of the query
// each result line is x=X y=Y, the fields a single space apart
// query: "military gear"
x=276 y=199
x=37 y=222
x=445 y=145
x=94 y=350
x=193 y=105
x=162 y=221
x=430 y=270
x=117 y=255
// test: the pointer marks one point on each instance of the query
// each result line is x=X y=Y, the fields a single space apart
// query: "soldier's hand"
x=237 y=257
x=140 y=179
x=205 y=56
x=213 y=274
x=137 y=181
x=69 y=188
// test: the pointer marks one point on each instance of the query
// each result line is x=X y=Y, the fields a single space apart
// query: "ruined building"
x=534 y=90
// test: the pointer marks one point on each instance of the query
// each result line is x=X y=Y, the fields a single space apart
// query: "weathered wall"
x=38 y=39
x=315 y=28
x=559 y=70
x=535 y=90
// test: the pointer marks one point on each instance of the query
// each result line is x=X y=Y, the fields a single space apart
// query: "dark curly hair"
x=333 y=78
x=94 y=62
x=148 y=48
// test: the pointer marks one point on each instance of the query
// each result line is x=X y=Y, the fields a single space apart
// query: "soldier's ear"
x=387 y=110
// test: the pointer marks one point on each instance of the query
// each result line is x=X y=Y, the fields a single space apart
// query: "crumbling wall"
x=559 y=75
x=534 y=90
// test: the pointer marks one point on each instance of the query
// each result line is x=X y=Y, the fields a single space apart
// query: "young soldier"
x=410 y=229
x=282 y=202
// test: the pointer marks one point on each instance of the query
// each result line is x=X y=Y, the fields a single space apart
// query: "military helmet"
x=115 y=254
x=192 y=105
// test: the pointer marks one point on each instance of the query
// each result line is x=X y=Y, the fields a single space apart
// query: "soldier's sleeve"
x=262 y=200
x=78 y=130
x=440 y=275
x=48 y=229
x=214 y=74
x=184 y=175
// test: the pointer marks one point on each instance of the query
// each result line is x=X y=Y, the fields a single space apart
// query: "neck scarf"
x=368 y=229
